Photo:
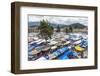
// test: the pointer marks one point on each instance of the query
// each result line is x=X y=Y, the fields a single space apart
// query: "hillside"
x=74 y=25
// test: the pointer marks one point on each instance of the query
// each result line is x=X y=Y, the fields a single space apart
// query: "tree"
x=71 y=29
x=45 y=29
x=58 y=28
x=66 y=30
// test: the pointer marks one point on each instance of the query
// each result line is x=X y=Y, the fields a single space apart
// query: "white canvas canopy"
x=53 y=47
x=35 y=51
x=77 y=42
x=53 y=42
x=41 y=41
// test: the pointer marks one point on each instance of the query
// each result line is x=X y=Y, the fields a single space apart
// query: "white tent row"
x=38 y=41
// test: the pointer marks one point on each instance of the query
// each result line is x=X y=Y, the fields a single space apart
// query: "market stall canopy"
x=79 y=49
x=34 y=51
x=53 y=43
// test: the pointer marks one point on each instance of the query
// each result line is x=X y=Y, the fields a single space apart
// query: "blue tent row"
x=84 y=43
x=67 y=54
x=32 y=46
x=58 y=52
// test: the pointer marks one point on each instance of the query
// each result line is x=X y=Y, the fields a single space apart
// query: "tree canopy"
x=45 y=29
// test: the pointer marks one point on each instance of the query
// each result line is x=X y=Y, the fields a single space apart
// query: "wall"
x=5 y=35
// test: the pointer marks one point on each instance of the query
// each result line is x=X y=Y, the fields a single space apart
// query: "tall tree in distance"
x=58 y=28
x=71 y=29
x=67 y=30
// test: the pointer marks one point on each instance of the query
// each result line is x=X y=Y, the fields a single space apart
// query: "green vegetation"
x=58 y=28
x=68 y=29
x=45 y=29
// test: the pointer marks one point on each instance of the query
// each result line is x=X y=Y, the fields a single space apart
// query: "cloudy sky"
x=59 y=19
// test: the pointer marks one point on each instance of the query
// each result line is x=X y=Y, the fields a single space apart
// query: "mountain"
x=74 y=25
x=77 y=26
x=33 y=24
x=36 y=24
